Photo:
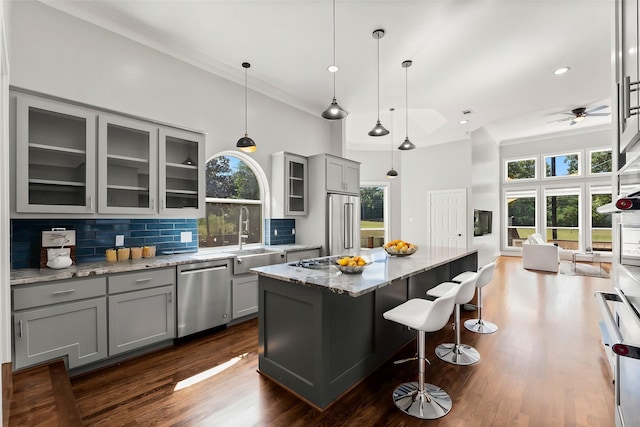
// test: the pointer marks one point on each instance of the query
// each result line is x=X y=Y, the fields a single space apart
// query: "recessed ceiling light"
x=464 y=122
x=333 y=68
x=561 y=70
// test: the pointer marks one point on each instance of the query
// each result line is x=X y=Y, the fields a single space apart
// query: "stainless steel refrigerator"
x=343 y=224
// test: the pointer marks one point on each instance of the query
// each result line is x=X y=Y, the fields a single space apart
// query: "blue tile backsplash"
x=279 y=231
x=94 y=236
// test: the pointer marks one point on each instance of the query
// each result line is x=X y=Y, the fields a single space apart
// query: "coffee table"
x=591 y=257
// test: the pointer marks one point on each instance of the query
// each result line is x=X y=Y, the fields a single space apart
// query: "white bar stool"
x=420 y=399
x=484 y=277
x=457 y=353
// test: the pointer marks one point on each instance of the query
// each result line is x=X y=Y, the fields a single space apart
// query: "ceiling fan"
x=579 y=114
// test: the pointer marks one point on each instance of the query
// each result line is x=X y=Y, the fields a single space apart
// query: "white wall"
x=485 y=191
x=5 y=317
x=60 y=55
x=439 y=167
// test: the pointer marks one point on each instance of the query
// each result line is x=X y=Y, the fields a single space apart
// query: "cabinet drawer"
x=57 y=292
x=142 y=280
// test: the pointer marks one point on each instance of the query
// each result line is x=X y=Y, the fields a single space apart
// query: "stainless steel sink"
x=247 y=259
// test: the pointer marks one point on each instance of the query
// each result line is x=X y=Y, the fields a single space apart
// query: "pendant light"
x=378 y=129
x=245 y=143
x=334 y=111
x=392 y=173
x=407 y=145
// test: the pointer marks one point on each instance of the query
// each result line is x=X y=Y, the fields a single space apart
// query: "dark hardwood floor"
x=543 y=367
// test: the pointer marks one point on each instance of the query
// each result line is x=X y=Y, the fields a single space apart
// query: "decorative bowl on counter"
x=352 y=265
x=400 y=248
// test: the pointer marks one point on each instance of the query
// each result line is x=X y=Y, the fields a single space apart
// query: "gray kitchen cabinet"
x=181 y=179
x=289 y=185
x=82 y=161
x=62 y=319
x=141 y=309
x=627 y=68
x=293 y=256
x=128 y=166
x=55 y=156
x=244 y=291
x=340 y=175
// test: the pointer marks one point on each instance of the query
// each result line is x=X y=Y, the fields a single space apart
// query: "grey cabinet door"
x=140 y=318
x=76 y=331
x=245 y=295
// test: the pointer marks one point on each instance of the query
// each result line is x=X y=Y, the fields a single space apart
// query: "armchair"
x=539 y=255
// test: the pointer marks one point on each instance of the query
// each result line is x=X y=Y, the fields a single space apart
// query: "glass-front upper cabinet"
x=128 y=166
x=55 y=156
x=181 y=172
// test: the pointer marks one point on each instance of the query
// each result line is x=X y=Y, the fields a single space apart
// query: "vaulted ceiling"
x=493 y=57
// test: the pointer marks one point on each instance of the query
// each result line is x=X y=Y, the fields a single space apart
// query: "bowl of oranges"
x=400 y=248
x=352 y=264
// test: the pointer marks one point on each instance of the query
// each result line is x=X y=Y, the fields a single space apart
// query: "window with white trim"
x=600 y=161
x=520 y=208
x=601 y=231
x=374 y=218
x=562 y=165
x=521 y=169
x=232 y=182
x=562 y=219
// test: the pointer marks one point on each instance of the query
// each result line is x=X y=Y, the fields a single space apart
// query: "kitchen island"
x=321 y=331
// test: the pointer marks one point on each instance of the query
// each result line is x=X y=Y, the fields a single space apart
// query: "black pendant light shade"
x=245 y=143
x=406 y=144
x=392 y=173
x=334 y=111
x=378 y=129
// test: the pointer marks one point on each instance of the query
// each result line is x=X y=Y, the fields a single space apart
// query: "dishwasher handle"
x=618 y=345
x=195 y=270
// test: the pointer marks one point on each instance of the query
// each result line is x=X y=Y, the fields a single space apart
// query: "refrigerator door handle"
x=348 y=225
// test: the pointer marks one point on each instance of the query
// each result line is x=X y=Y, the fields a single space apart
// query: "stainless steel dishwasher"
x=204 y=296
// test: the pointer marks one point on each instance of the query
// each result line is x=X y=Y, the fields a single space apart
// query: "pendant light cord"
x=245 y=101
x=378 y=79
x=334 y=48
x=391 y=109
x=406 y=97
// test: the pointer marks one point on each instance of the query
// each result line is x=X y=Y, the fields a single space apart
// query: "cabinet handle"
x=66 y=291
x=144 y=280
x=161 y=204
x=91 y=202
x=169 y=298
x=20 y=328
x=627 y=88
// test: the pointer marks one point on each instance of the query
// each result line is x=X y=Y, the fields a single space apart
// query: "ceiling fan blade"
x=562 y=120
x=599 y=114
x=596 y=109
x=573 y=122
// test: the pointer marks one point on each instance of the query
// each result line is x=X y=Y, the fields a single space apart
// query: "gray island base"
x=321 y=332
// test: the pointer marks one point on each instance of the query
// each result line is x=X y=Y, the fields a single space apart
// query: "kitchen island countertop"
x=377 y=274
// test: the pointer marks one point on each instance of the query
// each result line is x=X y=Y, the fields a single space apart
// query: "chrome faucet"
x=240 y=224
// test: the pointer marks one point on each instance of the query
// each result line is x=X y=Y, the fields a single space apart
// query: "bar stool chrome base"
x=429 y=404
x=461 y=354
x=480 y=326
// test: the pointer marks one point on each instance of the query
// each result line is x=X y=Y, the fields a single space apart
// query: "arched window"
x=233 y=181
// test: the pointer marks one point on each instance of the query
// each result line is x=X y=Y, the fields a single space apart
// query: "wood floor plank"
x=544 y=367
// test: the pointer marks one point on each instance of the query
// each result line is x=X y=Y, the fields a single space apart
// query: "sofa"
x=540 y=255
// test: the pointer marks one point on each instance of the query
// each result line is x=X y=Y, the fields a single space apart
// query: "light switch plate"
x=186 y=237
x=120 y=240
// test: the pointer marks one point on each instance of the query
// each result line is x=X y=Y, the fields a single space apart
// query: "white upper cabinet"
x=181 y=172
x=628 y=71
x=55 y=155
x=127 y=166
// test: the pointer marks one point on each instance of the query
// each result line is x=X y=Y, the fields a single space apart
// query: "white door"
x=447 y=218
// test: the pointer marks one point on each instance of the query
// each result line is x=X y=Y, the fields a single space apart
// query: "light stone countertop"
x=379 y=273
x=23 y=276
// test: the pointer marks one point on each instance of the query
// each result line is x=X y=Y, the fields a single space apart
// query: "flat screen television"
x=482 y=221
